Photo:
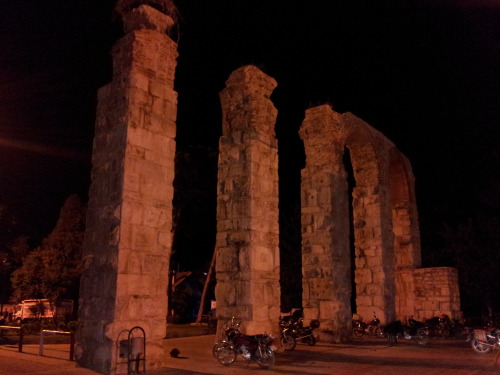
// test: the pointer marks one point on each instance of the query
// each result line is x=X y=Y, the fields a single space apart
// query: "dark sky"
x=424 y=73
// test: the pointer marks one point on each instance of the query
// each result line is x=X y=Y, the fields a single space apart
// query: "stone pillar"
x=247 y=204
x=374 y=239
x=326 y=278
x=129 y=219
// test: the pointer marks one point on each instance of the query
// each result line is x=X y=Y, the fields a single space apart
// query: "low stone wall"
x=436 y=292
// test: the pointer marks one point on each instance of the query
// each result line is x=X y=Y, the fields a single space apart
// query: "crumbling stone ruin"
x=128 y=236
x=385 y=220
x=247 y=241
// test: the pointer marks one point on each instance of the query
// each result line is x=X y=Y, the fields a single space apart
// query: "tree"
x=53 y=270
x=14 y=245
x=472 y=247
x=38 y=310
x=290 y=256
x=194 y=208
x=166 y=6
x=205 y=287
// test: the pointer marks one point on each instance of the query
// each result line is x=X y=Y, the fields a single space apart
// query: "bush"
x=62 y=326
x=72 y=326
x=32 y=327
x=48 y=325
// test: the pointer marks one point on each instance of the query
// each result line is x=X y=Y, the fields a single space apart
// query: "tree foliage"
x=290 y=256
x=123 y=7
x=473 y=248
x=14 y=245
x=53 y=269
x=194 y=208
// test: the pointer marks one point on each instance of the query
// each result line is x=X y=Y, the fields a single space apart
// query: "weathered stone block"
x=321 y=288
x=374 y=290
x=227 y=260
x=364 y=300
x=364 y=276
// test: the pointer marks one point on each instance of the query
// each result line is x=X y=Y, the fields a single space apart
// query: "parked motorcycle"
x=292 y=329
x=372 y=327
x=257 y=348
x=484 y=341
x=440 y=326
x=409 y=330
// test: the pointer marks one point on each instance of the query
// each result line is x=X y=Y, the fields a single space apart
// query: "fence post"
x=40 y=351
x=21 y=337
x=72 y=347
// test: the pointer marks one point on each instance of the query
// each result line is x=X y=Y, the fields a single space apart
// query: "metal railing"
x=72 y=341
x=20 y=331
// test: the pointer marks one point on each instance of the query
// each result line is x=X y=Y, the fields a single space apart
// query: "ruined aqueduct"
x=128 y=237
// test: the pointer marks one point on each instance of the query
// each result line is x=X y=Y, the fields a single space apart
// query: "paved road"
x=368 y=356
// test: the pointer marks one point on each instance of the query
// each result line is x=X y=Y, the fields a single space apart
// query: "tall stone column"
x=326 y=277
x=128 y=237
x=247 y=204
x=374 y=238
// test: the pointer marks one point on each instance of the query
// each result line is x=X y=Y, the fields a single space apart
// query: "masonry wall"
x=436 y=292
x=128 y=236
x=374 y=238
x=326 y=259
x=247 y=268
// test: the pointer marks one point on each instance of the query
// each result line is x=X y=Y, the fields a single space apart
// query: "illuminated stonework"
x=386 y=232
x=129 y=220
x=247 y=204
x=387 y=277
x=128 y=236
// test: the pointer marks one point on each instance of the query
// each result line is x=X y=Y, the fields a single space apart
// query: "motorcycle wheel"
x=480 y=348
x=379 y=332
x=216 y=348
x=266 y=358
x=225 y=354
x=309 y=340
x=358 y=332
x=422 y=336
x=445 y=333
x=288 y=342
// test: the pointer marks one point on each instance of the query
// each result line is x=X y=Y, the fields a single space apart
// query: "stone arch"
x=325 y=227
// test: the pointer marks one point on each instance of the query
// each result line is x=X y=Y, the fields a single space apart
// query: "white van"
x=42 y=309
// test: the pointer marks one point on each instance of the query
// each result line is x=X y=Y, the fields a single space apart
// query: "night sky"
x=424 y=73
